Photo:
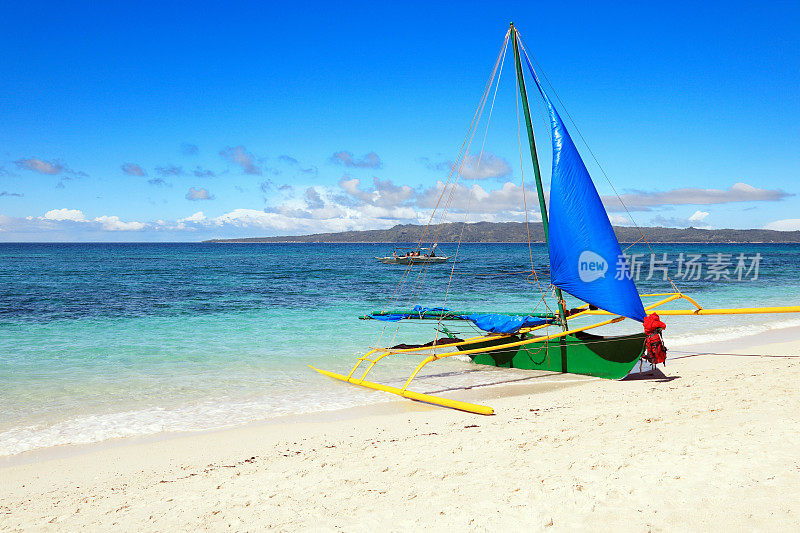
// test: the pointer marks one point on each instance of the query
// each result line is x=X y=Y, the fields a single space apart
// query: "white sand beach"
x=712 y=445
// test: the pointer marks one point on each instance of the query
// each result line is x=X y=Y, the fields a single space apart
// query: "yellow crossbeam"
x=529 y=341
x=671 y=297
x=733 y=311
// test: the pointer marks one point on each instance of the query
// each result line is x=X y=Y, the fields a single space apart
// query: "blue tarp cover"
x=417 y=312
x=504 y=323
x=493 y=323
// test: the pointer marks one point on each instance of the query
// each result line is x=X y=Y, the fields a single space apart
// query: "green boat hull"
x=579 y=353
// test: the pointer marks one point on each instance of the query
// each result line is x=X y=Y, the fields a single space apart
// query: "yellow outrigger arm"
x=486 y=410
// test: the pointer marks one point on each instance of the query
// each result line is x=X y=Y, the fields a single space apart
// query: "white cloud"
x=506 y=199
x=485 y=166
x=383 y=192
x=379 y=212
x=738 y=192
x=48 y=167
x=67 y=224
x=170 y=170
x=619 y=220
x=316 y=209
x=358 y=204
x=696 y=220
x=198 y=193
x=698 y=216
x=113 y=223
x=40 y=165
x=476 y=166
x=75 y=215
x=677 y=222
x=787 y=224
x=189 y=149
x=132 y=169
x=313 y=198
x=253 y=218
x=240 y=156
x=370 y=160
x=197 y=217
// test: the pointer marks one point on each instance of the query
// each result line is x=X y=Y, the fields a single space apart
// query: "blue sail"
x=585 y=257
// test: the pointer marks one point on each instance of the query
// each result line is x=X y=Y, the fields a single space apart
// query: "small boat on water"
x=413 y=256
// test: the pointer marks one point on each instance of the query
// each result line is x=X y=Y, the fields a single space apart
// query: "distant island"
x=509 y=232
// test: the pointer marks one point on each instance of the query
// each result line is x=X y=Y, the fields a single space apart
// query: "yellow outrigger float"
x=581 y=246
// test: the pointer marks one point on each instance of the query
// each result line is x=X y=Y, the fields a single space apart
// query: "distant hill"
x=516 y=232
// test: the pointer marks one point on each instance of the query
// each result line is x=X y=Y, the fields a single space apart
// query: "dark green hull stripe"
x=581 y=353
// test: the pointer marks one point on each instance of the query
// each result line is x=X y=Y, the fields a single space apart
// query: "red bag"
x=655 y=352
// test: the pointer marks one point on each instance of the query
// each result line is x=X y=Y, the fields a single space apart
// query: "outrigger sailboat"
x=417 y=255
x=583 y=253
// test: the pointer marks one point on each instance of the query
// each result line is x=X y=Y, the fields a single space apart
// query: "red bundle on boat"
x=656 y=351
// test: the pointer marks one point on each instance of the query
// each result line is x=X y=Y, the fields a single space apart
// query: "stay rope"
x=474 y=178
x=696 y=354
x=461 y=161
x=462 y=156
x=525 y=200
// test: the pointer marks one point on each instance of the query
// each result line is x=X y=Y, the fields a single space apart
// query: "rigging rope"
x=695 y=354
x=525 y=199
x=468 y=139
x=464 y=157
x=465 y=143
x=522 y=171
x=464 y=150
x=474 y=177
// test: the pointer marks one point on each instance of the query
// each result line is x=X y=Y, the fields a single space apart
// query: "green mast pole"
x=535 y=158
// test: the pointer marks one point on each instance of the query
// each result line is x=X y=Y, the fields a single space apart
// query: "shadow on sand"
x=651 y=375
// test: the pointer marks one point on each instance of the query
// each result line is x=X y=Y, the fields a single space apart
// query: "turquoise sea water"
x=100 y=341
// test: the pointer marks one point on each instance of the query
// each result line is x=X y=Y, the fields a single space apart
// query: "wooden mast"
x=535 y=158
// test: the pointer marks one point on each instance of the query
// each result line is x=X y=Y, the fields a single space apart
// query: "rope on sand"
x=695 y=354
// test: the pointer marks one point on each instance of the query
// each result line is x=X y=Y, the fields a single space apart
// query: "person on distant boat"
x=432 y=254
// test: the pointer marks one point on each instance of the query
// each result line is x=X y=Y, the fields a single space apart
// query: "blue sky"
x=151 y=122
